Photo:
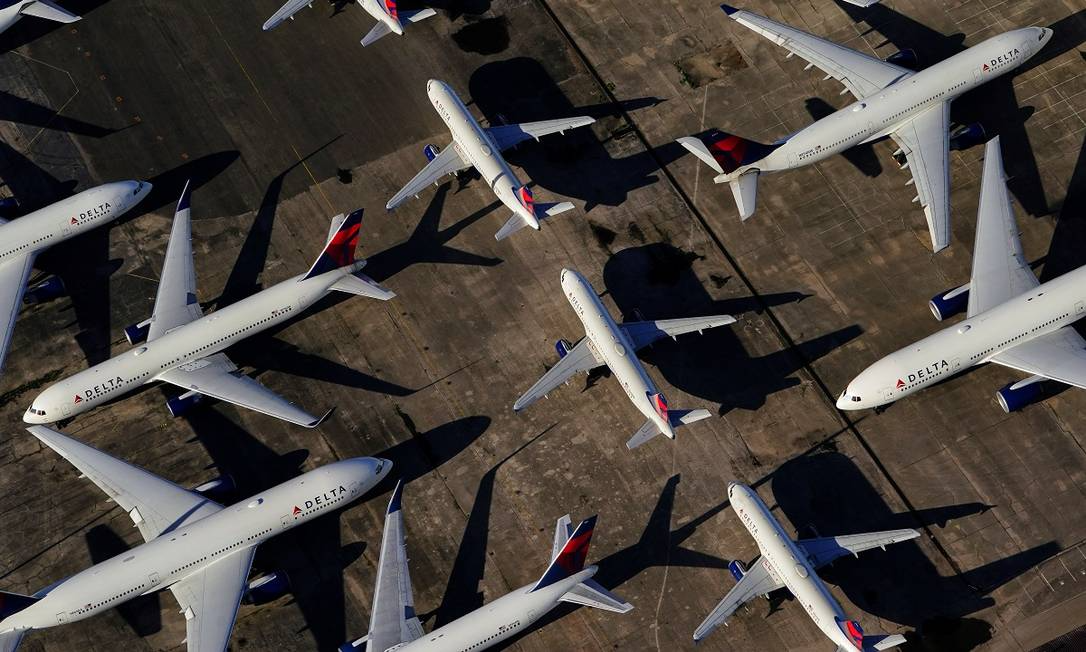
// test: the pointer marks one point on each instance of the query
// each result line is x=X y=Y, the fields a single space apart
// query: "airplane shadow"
x=521 y=90
x=29 y=29
x=826 y=494
x=656 y=281
x=16 y=109
x=993 y=105
x=142 y=613
x=862 y=157
x=1064 y=252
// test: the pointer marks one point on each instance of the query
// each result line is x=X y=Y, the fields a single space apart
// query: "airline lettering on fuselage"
x=97 y=211
x=927 y=371
x=98 y=390
x=326 y=497
x=1001 y=59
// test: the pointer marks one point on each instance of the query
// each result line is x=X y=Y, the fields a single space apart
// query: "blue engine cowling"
x=905 y=58
x=1018 y=395
x=947 y=304
x=47 y=290
x=353 y=646
x=967 y=136
x=137 y=333
x=431 y=152
x=223 y=484
x=267 y=588
x=563 y=347
x=738 y=569
x=179 y=405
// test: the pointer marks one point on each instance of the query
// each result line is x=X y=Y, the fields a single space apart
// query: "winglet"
x=185 y=201
x=397 y=498
x=571 y=558
x=314 y=424
x=728 y=9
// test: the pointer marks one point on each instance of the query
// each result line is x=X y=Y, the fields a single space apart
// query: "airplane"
x=912 y=108
x=181 y=346
x=198 y=549
x=785 y=563
x=615 y=345
x=481 y=148
x=394 y=625
x=12 y=10
x=22 y=239
x=1011 y=318
x=389 y=18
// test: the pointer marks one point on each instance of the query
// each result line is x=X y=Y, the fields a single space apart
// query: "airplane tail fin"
x=588 y=593
x=517 y=222
x=726 y=152
x=675 y=418
x=570 y=558
x=339 y=249
x=49 y=11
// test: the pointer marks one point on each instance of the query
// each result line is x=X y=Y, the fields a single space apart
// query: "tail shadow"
x=142 y=613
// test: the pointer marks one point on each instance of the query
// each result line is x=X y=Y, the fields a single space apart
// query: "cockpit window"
x=856 y=399
x=40 y=413
x=139 y=187
x=380 y=465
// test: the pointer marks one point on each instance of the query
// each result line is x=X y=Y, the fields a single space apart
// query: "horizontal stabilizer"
x=745 y=192
x=416 y=16
x=684 y=417
x=550 y=210
x=379 y=30
x=883 y=642
x=643 y=434
x=514 y=224
x=363 y=286
x=590 y=594
x=49 y=11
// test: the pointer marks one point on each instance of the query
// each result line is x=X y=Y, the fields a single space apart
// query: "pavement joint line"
x=778 y=326
x=63 y=106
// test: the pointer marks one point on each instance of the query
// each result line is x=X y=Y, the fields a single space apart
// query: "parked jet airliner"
x=394 y=625
x=184 y=347
x=198 y=549
x=21 y=240
x=911 y=108
x=12 y=10
x=616 y=345
x=793 y=564
x=481 y=148
x=389 y=18
x=1011 y=318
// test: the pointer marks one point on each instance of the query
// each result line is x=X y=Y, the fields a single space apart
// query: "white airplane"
x=793 y=564
x=184 y=347
x=616 y=345
x=481 y=148
x=198 y=549
x=912 y=108
x=21 y=240
x=393 y=624
x=1011 y=318
x=388 y=17
x=12 y=10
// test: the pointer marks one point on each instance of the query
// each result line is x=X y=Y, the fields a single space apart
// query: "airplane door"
x=62 y=617
x=793 y=160
x=66 y=410
x=531 y=616
x=976 y=75
x=153 y=579
x=888 y=392
x=955 y=365
x=285 y=520
x=1080 y=307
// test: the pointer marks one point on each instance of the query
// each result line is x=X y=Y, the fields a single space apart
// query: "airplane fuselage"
x=474 y=146
x=176 y=554
x=1044 y=309
x=380 y=12
x=610 y=344
x=879 y=115
x=185 y=344
x=495 y=622
x=787 y=563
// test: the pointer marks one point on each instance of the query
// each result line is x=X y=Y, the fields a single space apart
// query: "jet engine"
x=949 y=303
x=562 y=347
x=49 y=289
x=353 y=646
x=223 y=484
x=9 y=207
x=1018 y=395
x=137 y=333
x=179 y=405
x=966 y=136
x=266 y=588
x=738 y=569
x=905 y=58
x=431 y=152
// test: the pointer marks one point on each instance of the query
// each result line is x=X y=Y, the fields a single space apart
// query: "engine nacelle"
x=353 y=646
x=905 y=58
x=966 y=136
x=950 y=303
x=179 y=405
x=137 y=333
x=563 y=347
x=431 y=152
x=49 y=289
x=266 y=588
x=738 y=569
x=223 y=484
x=1018 y=395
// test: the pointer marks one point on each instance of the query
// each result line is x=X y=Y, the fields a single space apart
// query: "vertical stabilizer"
x=571 y=558
x=339 y=250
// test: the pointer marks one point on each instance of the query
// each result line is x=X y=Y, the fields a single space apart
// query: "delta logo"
x=985 y=68
x=297 y=510
x=900 y=383
x=78 y=399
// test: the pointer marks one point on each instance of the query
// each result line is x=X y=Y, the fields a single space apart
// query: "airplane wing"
x=1060 y=355
x=446 y=162
x=505 y=136
x=13 y=276
x=643 y=333
x=49 y=10
x=175 y=303
x=1000 y=270
x=286 y=11
x=580 y=358
x=861 y=74
x=393 y=620
x=209 y=598
x=216 y=376
x=155 y=505
x=822 y=551
x=925 y=141
x=757 y=581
